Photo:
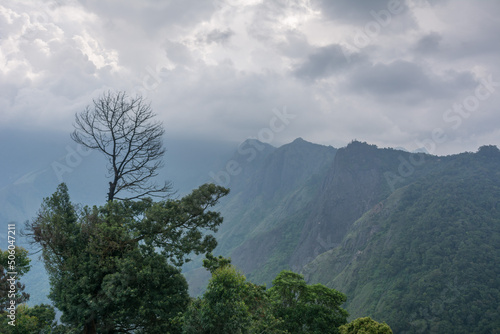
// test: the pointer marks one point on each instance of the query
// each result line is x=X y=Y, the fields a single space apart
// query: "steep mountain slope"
x=361 y=176
x=268 y=206
x=426 y=259
x=288 y=205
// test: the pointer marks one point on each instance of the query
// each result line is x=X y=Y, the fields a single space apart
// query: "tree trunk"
x=111 y=193
x=90 y=327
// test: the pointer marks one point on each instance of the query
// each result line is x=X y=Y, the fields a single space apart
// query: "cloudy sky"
x=393 y=73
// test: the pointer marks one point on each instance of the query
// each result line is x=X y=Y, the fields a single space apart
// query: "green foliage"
x=222 y=308
x=306 y=308
x=110 y=268
x=22 y=260
x=230 y=305
x=21 y=263
x=45 y=316
x=24 y=323
x=365 y=326
x=39 y=319
x=144 y=291
x=212 y=263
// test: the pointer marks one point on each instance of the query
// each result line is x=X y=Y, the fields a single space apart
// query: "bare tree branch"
x=123 y=129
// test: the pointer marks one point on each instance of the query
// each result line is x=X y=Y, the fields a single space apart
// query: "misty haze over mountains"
x=310 y=208
x=35 y=163
x=47 y=159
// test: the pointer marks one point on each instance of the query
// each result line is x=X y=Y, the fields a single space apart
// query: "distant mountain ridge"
x=303 y=197
x=268 y=208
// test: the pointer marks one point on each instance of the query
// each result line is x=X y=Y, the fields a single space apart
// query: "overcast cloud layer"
x=393 y=73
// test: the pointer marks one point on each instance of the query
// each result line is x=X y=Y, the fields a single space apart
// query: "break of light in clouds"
x=392 y=73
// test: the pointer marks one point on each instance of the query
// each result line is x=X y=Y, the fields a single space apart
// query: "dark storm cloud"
x=429 y=43
x=325 y=61
x=178 y=53
x=356 y=11
x=150 y=15
x=222 y=100
x=410 y=81
x=475 y=28
x=219 y=36
x=482 y=40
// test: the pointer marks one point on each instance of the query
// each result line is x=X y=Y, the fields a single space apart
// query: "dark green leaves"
x=233 y=305
x=365 y=326
x=306 y=308
x=110 y=267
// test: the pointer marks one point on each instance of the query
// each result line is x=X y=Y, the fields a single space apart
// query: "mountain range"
x=412 y=239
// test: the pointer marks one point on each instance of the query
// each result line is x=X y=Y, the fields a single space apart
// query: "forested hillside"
x=411 y=239
x=425 y=260
x=290 y=204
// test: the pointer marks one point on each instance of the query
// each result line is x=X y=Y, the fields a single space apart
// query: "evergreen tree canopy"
x=365 y=325
x=231 y=304
x=306 y=308
x=21 y=266
x=115 y=268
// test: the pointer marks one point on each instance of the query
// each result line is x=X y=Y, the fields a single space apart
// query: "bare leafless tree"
x=123 y=129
